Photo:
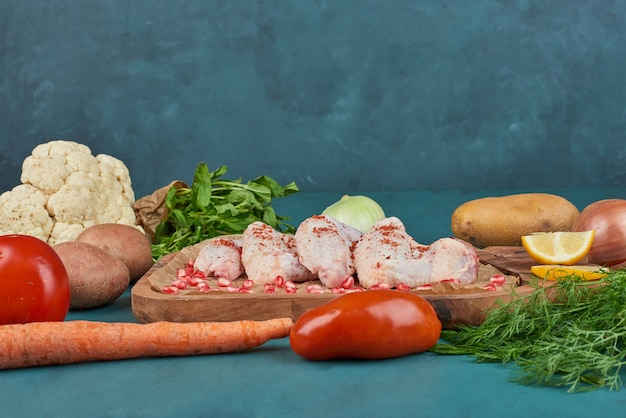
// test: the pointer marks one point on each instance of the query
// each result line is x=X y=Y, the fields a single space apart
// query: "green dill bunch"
x=570 y=334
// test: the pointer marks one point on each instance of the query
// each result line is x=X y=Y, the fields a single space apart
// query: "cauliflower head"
x=64 y=190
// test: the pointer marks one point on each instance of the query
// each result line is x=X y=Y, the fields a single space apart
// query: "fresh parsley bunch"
x=214 y=206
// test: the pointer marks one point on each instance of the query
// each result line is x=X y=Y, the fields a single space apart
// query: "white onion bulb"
x=359 y=212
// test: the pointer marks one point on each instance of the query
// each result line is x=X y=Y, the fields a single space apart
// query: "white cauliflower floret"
x=63 y=231
x=115 y=177
x=23 y=211
x=77 y=201
x=73 y=188
x=114 y=174
x=51 y=163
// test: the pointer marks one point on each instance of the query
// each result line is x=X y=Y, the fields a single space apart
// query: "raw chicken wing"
x=388 y=254
x=453 y=259
x=268 y=253
x=220 y=258
x=325 y=248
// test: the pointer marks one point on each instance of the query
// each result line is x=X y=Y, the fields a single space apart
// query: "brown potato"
x=96 y=277
x=492 y=221
x=125 y=242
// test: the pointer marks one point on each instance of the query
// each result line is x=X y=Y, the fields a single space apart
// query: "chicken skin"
x=325 y=248
x=268 y=253
x=220 y=258
x=388 y=254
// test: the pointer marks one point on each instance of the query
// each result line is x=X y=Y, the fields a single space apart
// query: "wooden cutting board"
x=454 y=307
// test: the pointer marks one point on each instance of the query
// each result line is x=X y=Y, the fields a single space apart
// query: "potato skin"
x=96 y=277
x=124 y=242
x=502 y=220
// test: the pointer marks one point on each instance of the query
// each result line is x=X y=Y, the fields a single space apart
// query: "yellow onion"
x=359 y=212
x=608 y=218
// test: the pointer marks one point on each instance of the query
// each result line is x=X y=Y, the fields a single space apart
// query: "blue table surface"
x=272 y=381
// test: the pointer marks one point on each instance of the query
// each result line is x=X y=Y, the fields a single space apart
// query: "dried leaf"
x=150 y=210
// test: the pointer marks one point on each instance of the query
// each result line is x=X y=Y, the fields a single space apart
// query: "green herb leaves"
x=571 y=334
x=215 y=206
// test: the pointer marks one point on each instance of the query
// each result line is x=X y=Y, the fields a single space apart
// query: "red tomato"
x=34 y=285
x=373 y=324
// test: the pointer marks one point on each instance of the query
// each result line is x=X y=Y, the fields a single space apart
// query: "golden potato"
x=503 y=220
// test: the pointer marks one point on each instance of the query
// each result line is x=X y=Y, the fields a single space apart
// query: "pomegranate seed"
x=221 y=282
x=375 y=287
x=170 y=290
x=290 y=284
x=354 y=289
x=195 y=281
x=269 y=289
x=291 y=289
x=184 y=272
x=191 y=262
x=279 y=281
x=247 y=284
x=403 y=286
x=348 y=282
x=315 y=291
x=490 y=286
x=498 y=279
x=426 y=286
x=180 y=284
x=232 y=289
x=199 y=274
x=244 y=290
x=338 y=290
x=214 y=289
x=450 y=281
x=383 y=286
x=313 y=288
x=202 y=287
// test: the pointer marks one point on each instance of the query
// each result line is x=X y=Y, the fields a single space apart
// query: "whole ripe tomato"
x=373 y=324
x=34 y=284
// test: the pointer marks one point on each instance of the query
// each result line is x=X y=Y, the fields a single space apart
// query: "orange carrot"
x=65 y=342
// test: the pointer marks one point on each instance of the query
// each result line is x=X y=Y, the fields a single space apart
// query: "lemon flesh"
x=564 y=248
x=560 y=272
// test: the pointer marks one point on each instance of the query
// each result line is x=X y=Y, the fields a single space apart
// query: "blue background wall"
x=348 y=95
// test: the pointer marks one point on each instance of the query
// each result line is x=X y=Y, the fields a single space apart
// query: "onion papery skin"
x=608 y=218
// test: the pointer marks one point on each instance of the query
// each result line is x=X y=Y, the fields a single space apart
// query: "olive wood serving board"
x=453 y=306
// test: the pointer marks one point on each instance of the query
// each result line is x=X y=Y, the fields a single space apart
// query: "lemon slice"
x=560 y=272
x=566 y=248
